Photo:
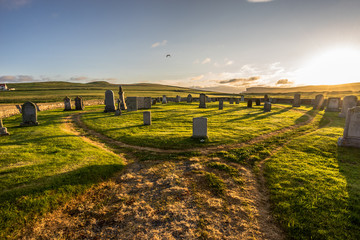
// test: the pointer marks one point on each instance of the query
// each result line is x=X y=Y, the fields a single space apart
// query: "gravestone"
x=147 y=117
x=67 y=104
x=237 y=100
x=297 y=100
x=267 y=107
x=177 y=99
x=122 y=99
x=200 y=127
x=333 y=105
x=202 y=101
x=221 y=104
x=147 y=102
x=109 y=101
x=79 y=104
x=318 y=102
x=351 y=136
x=164 y=101
x=249 y=103
x=3 y=130
x=348 y=102
x=118 y=109
x=242 y=99
x=257 y=102
x=132 y=104
x=231 y=101
x=154 y=101
x=189 y=98
x=266 y=98
x=29 y=114
x=141 y=102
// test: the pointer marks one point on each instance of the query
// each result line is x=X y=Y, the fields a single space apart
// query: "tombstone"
x=221 y=104
x=249 y=103
x=154 y=101
x=177 y=99
x=351 y=136
x=141 y=102
x=237 y=100
x=132 y=104
x=318 y=102
x=79 y=104
x=333 y=105
x=257 y=102
x=147 y=102
x=231 y=100
x=29 y=114
x=266 y=98
x=118 y=109
x=297 y=100
x=348 y=102
x=242 y=99
x=3 y=130
x=164 y=101
x=200 y=127
x=147 y=117
x=67 y=104
x=189 y=99
x=267 y=107
x=109 y=101
x=202 y=100
x=122 y=99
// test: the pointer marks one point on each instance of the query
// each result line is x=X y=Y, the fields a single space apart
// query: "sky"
x=227 y=45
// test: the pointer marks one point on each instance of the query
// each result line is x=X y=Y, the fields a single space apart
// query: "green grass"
x=315 y=185
x=172 y=124
x=42 y=167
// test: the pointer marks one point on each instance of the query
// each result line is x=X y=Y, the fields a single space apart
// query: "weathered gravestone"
x=147 y=117
x=333 y=105
x=141 y=102
x=164 y=101
x=67 y=104
x=351 y=137
x=297 y=100
x=257 y=102
x=189 y=98
x=3 y=130
x=79 y=104
x=177 y=99
x=318 y=102
x=267 y=107
x=231 y=100
x=249 y=103
x=200 y=127
x=118 y=109
x=147 y=102
x=242 y=99
x=154 y=101
x=348 y=102
x=202 y=101
x=266 y=98
x=109 y=101
x=122 y=99
x=221 y=104
x=29 y=114
x=132 y=104
x=237 y=100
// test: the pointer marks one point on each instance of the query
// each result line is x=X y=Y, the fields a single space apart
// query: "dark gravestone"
x=257 y=102
x=189 y=98
x=122 y=99
x=318 y=102
x=231 y=101
x=67 y=104
x=266 y=98
x=237 y=100
x=202 y=101
x=154 y=101
x=118 y=109
x=348 y=102
x=3 y=130
x=177 y=99
x=147 y=117
x=351 y=137
x=109 y=101
x=267 y=107
x=221 y=104
x=132 y=104
x=29 y=114
x=147 y=102
x=249 y=103
x=79 y=104
x=296 y=102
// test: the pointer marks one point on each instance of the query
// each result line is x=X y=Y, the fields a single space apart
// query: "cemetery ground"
x=259 y=175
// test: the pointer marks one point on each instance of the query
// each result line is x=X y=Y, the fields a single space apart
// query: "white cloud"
x=229 y=62
x=158 y=44
x=16 y=79
x=206 y=60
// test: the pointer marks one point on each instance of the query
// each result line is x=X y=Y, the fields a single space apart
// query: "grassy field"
x=171 y=126
x=42 y=167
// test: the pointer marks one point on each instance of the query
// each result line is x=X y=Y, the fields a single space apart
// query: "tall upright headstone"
x=109 y=101
x=202 y=100
x=297 y=100
x=29 y=114
x=132 y=104
x=164 y=101
x=79 y=104
x=333 y=105
x=122 y=99
x=200 y=127
x=147 y=117
x=177 y=99
x=348 y=102
x=147 y=102
x=67 y=104
x=221 y=104
x=249 y=103
x=351 y=136
x=267 y=107
x=154 y=101
x=3 y=130
x=257 y=102
x=319 y=101
x=189 y=98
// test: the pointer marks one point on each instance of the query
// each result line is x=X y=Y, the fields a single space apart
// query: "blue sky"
x=257 y=43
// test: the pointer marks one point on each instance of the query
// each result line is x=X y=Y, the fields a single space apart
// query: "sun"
x=334 y=66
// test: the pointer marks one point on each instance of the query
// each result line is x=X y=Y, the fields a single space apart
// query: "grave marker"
x=257 y=102
x=221 y=104
x=267 y=107
x=202 y=101
x=249 y=103
x=348 y=102
x=189 y=99
x=297 y=100
x=122 y=99
x=109 y=101
x=147 y=117
x=79 y=104
x=67 y=104
x=132 y=104
x=29 y=114
x=351 y=136
x=318 y=102
x=200 y=127
x=164 y=101
x=3 y=130
x=333 y=105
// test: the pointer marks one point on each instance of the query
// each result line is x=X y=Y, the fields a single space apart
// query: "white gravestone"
x=333 y=105
x=348 y=102
x=200 y=127
x=351 y=137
